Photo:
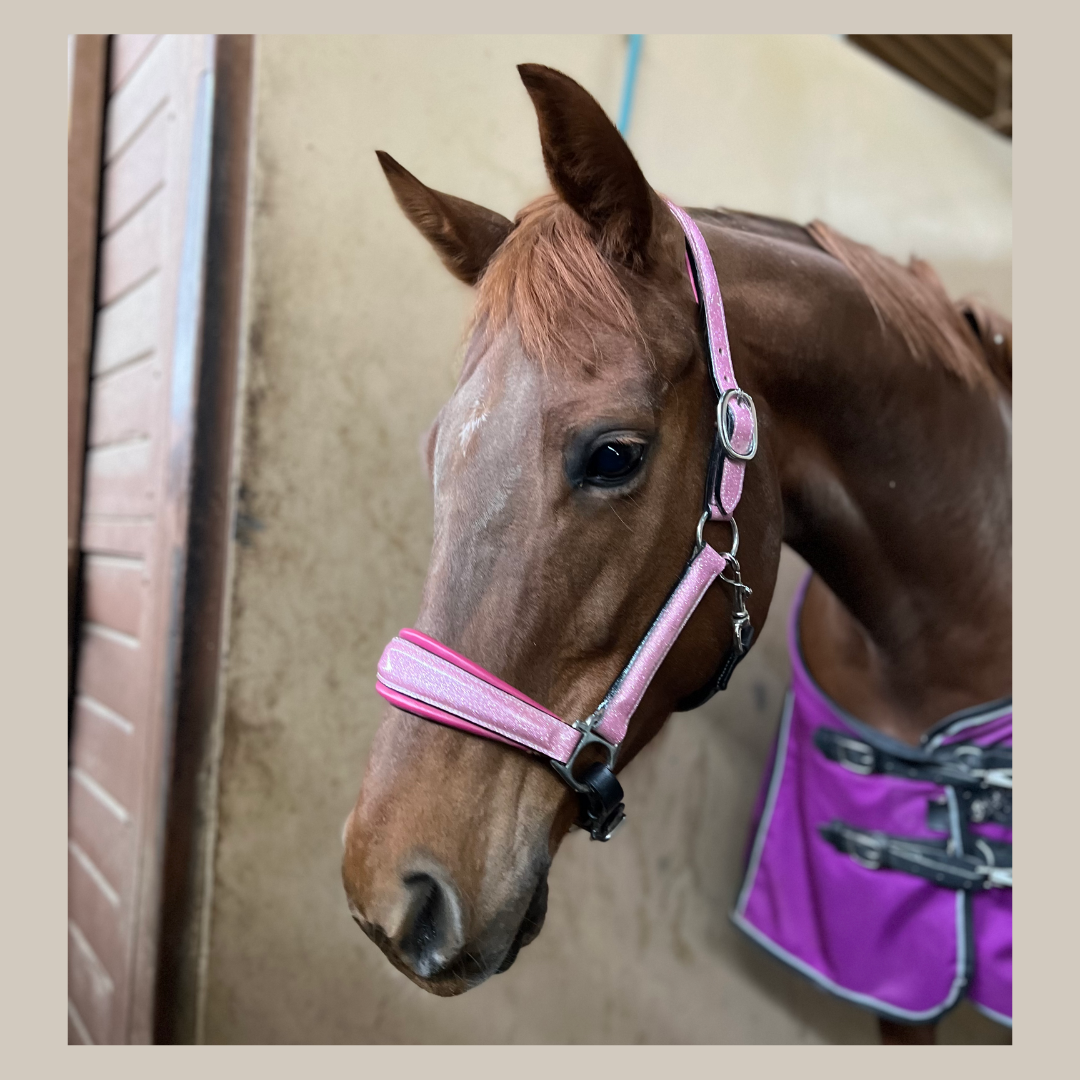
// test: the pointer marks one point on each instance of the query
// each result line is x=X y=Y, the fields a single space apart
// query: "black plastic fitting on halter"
x=600 y=805
x=602 y=808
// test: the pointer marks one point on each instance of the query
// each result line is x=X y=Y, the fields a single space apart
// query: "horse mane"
x=913 y=302
x=549 y=276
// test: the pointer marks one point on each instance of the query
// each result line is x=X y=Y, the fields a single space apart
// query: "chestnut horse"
x=568 y=470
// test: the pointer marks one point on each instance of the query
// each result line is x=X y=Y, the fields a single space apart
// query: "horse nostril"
x=432 y=934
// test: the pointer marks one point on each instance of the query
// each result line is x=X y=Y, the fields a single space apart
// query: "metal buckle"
x=867 y=850
x=588 y=737
x=855 y=756
x=1001 y=778
x=721 y=423
x=602 y=820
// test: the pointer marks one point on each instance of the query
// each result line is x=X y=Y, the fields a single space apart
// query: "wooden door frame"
x=200 y=329
x=190 y=796
x=88 y=81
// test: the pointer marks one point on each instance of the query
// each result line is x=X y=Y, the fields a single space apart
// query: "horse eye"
x=613 y=461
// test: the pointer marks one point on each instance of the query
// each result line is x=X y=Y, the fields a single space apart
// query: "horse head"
x=568 y=470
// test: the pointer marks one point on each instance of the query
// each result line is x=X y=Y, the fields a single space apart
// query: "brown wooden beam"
x=188 y=830
x=955 y=50
x=888 y=48
x=978 y=89
x=923 y=59
x=966 y=70
x=989 y=47
x=86 y=121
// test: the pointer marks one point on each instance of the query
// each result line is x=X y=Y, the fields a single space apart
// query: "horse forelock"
x=550 y=280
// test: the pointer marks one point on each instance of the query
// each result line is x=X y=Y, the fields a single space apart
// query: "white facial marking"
x=471 y=426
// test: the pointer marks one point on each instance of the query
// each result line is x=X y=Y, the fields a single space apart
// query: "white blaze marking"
x=470 y=428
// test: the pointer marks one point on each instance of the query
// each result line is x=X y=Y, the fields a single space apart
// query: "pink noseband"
x=422 y=676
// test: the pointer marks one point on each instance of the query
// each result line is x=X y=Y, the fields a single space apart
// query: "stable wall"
x=352 y=342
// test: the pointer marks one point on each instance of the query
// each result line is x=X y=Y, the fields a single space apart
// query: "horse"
x=567 y=471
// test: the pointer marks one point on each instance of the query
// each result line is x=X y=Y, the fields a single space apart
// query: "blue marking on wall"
x=633 y=54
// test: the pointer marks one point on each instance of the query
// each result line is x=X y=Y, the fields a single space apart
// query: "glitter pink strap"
x=423 y=676
x=707 y=293
x=625 y=696
x=418 y=637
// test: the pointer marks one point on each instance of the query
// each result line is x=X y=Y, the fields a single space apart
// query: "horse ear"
x=464 y=235
x=994 y=333
x=590 y=165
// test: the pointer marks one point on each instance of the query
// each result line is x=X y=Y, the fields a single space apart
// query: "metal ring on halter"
x=721 y=423
x=734 y=535
x=700 y=527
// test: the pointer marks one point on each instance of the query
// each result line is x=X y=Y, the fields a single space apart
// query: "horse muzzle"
x=424 y=932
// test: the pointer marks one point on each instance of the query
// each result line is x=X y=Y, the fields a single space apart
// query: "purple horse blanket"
x=884 y=871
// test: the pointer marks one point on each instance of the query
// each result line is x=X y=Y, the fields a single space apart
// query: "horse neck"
x=895 y=482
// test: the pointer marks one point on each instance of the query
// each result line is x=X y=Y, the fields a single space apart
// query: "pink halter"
x=420 y=675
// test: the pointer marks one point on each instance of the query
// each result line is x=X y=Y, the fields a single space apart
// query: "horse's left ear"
x=590 y=165
x=465 y=235
x=994 y=333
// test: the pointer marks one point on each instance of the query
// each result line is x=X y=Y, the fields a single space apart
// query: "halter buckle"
x=746 y=400
x=588 y=738
x=599 y=791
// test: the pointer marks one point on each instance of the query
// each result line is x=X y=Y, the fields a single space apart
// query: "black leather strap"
x=720 y=678
x=966 y=768
x=988 y=867
x=715 y=473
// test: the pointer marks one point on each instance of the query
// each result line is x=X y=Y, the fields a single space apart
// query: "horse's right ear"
x=591 y=167
x=464 y=235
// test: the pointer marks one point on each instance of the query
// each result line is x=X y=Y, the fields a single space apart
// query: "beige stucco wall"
x=352 y=345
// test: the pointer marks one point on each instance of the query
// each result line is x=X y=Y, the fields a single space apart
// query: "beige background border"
x=33 y=791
